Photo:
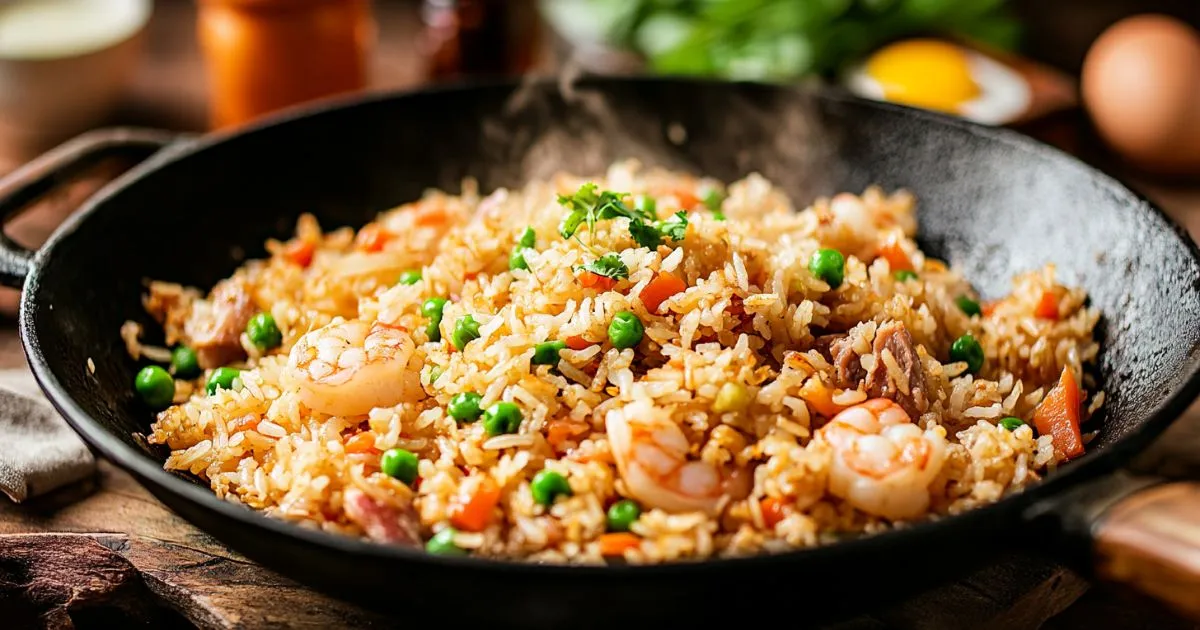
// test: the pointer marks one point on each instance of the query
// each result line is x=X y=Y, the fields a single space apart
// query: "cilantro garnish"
x=588 y=205
x=609 y=266
x=674 y=227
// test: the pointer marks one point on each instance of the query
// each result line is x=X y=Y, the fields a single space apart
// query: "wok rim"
x=150 y=472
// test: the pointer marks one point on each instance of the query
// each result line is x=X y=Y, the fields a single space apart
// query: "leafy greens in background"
x=772 y=39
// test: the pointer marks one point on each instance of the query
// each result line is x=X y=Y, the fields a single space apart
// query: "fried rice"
x=728 y=427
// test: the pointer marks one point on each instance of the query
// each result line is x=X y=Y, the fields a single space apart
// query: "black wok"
x=992 y=203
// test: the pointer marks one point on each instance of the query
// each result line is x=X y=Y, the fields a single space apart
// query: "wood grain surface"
x=1151 y=541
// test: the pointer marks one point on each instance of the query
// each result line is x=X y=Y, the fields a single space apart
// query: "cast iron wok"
x=992 y=203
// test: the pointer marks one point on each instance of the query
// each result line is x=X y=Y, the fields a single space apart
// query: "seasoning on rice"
x=647 y=365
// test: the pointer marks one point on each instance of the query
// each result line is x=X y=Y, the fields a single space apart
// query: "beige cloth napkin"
x=38 y=450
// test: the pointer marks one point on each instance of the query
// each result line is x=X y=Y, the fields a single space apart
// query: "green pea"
x=263 y=332
x=966 y=348
x=646 y=204
x=547 y=485
x=442 y=544
x=1012 y=423
x=502 y=417
x=466 y=329
x=625 y=330
x=546 y=353
x=432 y=308
x=904 y=275
x=623 y=514
x=155 y=387
x=410 y=277
x=221 y=378
x=968 y=306
x=828 y=265
x=399 y=463
x=464 y=407
x=184 y=362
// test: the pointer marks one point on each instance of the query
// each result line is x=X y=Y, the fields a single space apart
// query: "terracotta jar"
x=265 y=55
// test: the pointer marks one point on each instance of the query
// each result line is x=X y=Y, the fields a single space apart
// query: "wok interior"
x=991 y=208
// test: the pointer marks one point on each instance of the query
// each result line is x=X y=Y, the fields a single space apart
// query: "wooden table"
x=106 y=553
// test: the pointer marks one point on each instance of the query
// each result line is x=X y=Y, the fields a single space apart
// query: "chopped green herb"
x=713 y=201
x=646 y=205
x=1012 y=423
x=528 y=238
x=674 y=227
x=517 y=259
x=904 y=275
x=609 y=266
x=646 y=235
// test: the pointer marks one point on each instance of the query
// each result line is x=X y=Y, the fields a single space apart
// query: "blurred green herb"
x=773 y=39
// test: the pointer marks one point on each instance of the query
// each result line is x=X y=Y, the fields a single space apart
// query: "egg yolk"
x=924 y=73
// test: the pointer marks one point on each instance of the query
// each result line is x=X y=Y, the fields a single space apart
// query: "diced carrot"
x=988 y=308
x=772 y=511
x=1047 y=307
x=687 y=199
x=372 y=237
x=361 y=443
x=820 y=397
x=895 y=255
x=592 y=280
x=617 y=544
x=300 y=252
x=428 y=215
x=575 y=342
x=1058 y=415
x=475 y=512
x=658 y=290
x=559 y=431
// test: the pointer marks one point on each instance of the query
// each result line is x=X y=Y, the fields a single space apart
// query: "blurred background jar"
x=262 y=56
x=479 y=38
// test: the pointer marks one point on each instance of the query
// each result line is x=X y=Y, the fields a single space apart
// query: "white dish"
x=64 y=65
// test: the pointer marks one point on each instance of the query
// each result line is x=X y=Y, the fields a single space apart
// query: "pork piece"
x=171 y=306
x=214 y=326
x=382 y=523
x=846 y=362
x=908 y=390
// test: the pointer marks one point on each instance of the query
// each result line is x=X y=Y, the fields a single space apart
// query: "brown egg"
x=1141 y=86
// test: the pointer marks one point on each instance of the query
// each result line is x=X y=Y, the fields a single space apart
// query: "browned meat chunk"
x=214 y=327
x=845 y=360
x=170 y=305
x=907 y=386
x=382 y=523
x=908 y=390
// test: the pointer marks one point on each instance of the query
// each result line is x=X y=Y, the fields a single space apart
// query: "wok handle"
x=56 y=167
x=1150 y=540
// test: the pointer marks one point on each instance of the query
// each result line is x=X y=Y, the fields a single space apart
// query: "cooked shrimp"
x=651 y=452
x=350 y=367
x=883 y=463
